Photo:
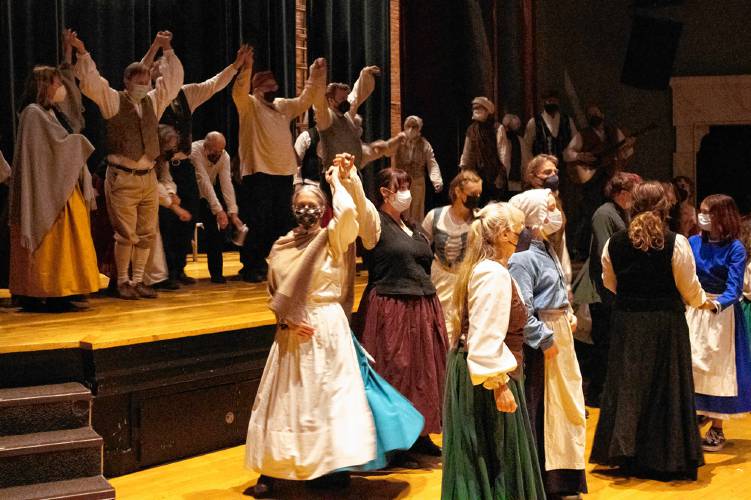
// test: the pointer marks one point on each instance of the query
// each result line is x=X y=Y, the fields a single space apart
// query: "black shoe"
x=335 y=480
x=186 y=280
x=62 y=305
x=403 y=460
x=425 y=446
x=218 y=279
x=254 y=277
x=263 y=487
x=168 y=284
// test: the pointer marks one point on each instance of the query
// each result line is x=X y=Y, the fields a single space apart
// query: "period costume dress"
x=648 y=415
x=52 y=254
x=449 y=238
x=719 y=343
x=488 y=454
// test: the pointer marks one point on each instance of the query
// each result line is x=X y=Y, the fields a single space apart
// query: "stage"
x=171 y=377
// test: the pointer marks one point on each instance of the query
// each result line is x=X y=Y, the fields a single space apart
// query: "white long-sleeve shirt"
x=489 y=308
x=98 y=89
x=206 y=174
x=684 y=272
x=360 y=92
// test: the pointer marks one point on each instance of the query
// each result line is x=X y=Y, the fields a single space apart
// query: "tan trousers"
x=133 y=206
x=417 y=208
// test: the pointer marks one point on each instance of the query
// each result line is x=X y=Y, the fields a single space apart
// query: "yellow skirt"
x=64 y=263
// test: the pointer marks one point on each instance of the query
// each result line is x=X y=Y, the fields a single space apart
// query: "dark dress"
x=648 y=415
x=488 y=454
x=400 y=321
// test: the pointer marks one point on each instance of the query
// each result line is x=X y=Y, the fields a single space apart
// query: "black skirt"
x=647 y=414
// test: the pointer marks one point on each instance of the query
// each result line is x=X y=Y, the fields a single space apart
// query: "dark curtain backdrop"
x=352 y=35
x=455 y=50
x=118 y=32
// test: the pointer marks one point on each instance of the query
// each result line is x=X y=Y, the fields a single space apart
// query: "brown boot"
x=127 y=292
x=144 y=291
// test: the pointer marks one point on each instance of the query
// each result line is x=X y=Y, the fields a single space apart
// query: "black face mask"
x=525 y=238
x=552 y=183
x=595 y=121
x=167 y=155
x=682 y=193
x=343 y=106
x=214 y=158
x=551 y=108
x=308 y=217
x=472 y=201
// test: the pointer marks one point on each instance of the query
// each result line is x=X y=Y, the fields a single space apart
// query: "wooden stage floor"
x=193 y=310
x=221 y=475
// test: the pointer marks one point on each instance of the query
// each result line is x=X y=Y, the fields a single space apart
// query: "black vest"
x=398 y=264
x=311 y=163
x=546 y=143
x=179 y=116
x=645 y=279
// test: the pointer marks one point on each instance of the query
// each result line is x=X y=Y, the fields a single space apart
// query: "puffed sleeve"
x=489 y=302
x=684 y=273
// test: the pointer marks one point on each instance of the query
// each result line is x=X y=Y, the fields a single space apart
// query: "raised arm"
x=489 y=308
x=150 y=55
x=168 y=85
x=241 y=87
x=368 y=220
x=343 y=227
x=91 y=82
x=315 y=86
x=362 y=88
x=199 y=93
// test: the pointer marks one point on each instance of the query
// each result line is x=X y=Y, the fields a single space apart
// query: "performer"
x=178 y=233
x=488 y=448
x=336 y=113
x=611 y=217
x=590 y=173
x=267 y=158
x=746 y=302
x=719 y=343
x=553 y=383
x=415 y=156
x=446 y=228
x=551 y=131
x=311 y=415
x=648 y=415
x=52 y=256
x=212 y=166
x=518 y=154
x=400 y=320
x=687 y=222
x=132 y=147
x=4 y=232
x=486 y=149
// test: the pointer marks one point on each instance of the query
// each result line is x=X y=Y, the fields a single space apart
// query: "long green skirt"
x=487 y=454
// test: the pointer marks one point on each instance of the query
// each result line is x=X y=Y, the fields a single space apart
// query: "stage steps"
x=48 y=448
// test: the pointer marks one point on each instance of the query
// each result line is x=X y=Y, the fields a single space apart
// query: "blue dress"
x=398 y=424
x=720 y=268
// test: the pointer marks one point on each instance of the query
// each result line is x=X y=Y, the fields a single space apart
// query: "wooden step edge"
x=44 y=394
x=94 y=488
x=47 y=442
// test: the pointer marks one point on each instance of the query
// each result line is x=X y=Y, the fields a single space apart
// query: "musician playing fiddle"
x=594 y=155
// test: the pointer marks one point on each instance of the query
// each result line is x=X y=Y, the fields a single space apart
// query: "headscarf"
x=534 y=204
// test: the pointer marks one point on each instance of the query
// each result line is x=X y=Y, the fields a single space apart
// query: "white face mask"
x=401 y=200
x=60 y=94
x=553 y=223
x=705 y=222
x=138 y=92
x=412 y=133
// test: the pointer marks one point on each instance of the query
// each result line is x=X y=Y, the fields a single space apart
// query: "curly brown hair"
x=37 y=84
x=651 y=206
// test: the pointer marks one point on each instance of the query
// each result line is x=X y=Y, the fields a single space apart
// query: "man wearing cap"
x=213 y=174
x=132 y=116
x=267 y=159
x=485 y=150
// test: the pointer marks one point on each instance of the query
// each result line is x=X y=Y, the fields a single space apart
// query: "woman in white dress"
x=447 y=228
x=311 y=416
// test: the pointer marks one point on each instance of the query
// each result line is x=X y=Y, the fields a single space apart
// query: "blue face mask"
x=552 y=183
x=525 y=239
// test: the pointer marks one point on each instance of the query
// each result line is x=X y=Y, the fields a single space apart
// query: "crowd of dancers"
x=466 y=327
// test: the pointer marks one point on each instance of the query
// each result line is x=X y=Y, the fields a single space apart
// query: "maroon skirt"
x=406 y=335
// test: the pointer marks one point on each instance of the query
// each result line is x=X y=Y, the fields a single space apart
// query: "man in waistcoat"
x=267 y=159
x=132 y=116
x=176 y=232
x=518 y=154
x=485 y=150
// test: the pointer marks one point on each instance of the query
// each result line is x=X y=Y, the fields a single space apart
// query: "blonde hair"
x=462 y=178
x=491 y=221
x=647 y=229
